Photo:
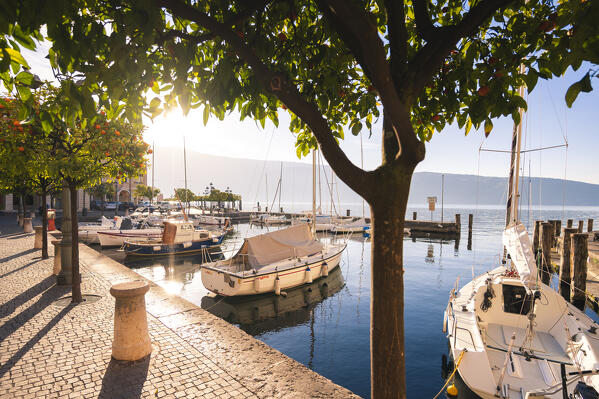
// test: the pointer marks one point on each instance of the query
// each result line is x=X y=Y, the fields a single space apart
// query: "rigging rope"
x=452 y=374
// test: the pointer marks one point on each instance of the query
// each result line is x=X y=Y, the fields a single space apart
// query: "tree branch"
x=424 y=25
x=432 y=55
x=361 y=36
x=398 y=38
x=278 y=85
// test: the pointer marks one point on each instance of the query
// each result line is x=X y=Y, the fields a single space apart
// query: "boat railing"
x=456 y=328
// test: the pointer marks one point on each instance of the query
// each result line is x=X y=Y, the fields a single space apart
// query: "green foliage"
x=143 y=191
x=102 y=190
x=39 y=142
x=184 y=195
x=146 y=56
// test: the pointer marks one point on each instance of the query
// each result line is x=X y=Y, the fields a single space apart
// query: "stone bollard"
x=37 y=243
x=131 y=338
x=56 y=269
x=27 y=225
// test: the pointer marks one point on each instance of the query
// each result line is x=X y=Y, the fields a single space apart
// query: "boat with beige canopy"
x=272 y=262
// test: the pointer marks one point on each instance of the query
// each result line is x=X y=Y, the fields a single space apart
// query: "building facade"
x=124 y=190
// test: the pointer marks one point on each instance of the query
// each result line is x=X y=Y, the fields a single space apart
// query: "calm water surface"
x=326 y=325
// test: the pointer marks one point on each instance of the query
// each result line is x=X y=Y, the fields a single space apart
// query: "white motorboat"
x=267 y=218
x=209 y=220
x=357 y=226
x=116 y=238
x=88 y=232
x=515 y=337
x=272 y=262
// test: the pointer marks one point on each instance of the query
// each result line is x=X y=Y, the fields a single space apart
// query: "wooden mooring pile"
x=565 y=250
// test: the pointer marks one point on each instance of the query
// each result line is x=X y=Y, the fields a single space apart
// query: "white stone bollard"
x=27 y=225
x=131 y=338
x=37 y=243
x=56 y=268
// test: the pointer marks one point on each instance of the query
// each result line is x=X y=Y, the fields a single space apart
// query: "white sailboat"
x=514 y=337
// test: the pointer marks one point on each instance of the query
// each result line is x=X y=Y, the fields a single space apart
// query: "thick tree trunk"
x=44 y=225
x=75 y=276
x=388 y=209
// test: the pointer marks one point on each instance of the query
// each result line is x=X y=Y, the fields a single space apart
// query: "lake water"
x=326 y=325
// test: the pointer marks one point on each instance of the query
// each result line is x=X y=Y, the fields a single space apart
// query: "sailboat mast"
x=266 y=184
x=152 y=193
x=280 y=185
x=512 y=201
x=362 y=166
x=314 y=191
x=185 y=172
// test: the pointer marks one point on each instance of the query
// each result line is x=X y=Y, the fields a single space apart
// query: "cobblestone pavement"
x=51 y=349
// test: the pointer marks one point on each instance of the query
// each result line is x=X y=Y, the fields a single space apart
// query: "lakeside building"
x=124 y=192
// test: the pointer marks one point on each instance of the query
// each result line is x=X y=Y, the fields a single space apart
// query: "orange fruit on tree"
x=21 y=148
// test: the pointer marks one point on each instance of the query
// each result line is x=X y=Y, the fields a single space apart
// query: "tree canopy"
x=334 y=65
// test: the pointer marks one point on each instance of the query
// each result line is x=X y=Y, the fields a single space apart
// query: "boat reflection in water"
x=269 y=312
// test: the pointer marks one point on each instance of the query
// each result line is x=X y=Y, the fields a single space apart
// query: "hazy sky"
x=549 y=122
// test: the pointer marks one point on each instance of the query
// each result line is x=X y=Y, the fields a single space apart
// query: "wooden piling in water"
x=535 y=236
x=578 y=260
x=546 y=239
x=565 y=269
x=348 y=212
x=414 y=215
x=470 y=222
x=580 y=226
x=555 y=232
x=569 y=223
x=458 y=222
x=590 y=225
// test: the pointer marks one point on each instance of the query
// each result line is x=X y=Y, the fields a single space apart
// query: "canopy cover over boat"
x=517 y=243
x=265 y=249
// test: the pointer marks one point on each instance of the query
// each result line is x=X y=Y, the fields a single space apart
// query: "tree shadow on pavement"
x=18 y=255
x=10 y=306
x=33 y=261
x=124 y=380
x=48 y=297
x=34 y=340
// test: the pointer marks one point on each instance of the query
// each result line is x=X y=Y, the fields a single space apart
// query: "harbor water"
x=326 y=326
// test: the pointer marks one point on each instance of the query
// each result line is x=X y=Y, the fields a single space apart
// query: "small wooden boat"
x=271 y=262
x=179 y=237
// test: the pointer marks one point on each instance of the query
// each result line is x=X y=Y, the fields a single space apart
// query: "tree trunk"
x=76 y=278
x=44 y=225
x=388 y=209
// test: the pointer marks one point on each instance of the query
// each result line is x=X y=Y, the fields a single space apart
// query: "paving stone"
x=50 y=351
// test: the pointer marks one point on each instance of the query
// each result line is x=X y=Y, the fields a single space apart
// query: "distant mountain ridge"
x=249 y=178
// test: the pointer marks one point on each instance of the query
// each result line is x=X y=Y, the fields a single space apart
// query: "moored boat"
x=357 y=226
x=178 y=237
x=271 y=262
x=116 y=238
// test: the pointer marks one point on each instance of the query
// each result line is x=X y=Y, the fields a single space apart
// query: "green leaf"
x=206 y=114
x=15 y=56
x=24 y=92
x=25 y=78
x=468 y=126
x=585 y=84
x=46 y=120
x=488 y=127
x=355 y=130
x=572 y=93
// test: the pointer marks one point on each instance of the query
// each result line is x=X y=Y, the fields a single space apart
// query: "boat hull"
x=118 y=238
x=159 y=249
x=229 y=284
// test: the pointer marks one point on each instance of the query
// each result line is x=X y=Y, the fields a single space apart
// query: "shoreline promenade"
x=52 y=349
